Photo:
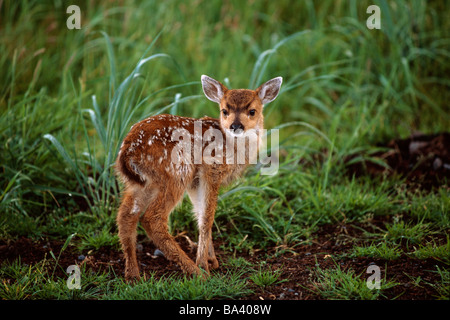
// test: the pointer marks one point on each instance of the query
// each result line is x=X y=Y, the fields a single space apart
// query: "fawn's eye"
x=225 y=112
x=252 y=112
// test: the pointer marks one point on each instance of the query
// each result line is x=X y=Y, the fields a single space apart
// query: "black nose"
x=236 y=126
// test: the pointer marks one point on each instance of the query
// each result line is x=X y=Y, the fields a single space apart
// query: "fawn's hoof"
x=210 y=264
x=194 y=270
x=213 y=263
x=132 y=276
x=132 y=279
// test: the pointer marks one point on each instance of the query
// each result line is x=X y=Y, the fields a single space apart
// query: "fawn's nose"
x=236 y=126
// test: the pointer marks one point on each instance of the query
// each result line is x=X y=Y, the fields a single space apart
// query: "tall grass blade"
x=263 y=60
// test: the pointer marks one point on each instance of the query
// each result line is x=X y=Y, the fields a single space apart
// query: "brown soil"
x=423 y=160
x=297 y=265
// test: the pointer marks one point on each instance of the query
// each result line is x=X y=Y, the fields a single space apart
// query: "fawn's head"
x=241 y=109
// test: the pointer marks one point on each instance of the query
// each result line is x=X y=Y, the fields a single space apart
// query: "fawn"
x=156 y=172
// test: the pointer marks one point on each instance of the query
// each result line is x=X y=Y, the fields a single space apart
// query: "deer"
x=155 y=179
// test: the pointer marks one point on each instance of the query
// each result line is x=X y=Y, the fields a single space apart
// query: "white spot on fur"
x=136 y=209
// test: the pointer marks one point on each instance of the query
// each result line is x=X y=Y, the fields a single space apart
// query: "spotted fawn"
x=158 y=167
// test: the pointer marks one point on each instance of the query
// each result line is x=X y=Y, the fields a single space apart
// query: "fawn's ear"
x=213 y=89
x=268 y=91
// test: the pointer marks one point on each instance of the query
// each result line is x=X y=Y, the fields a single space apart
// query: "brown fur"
x=154 y=186
x=238 y=104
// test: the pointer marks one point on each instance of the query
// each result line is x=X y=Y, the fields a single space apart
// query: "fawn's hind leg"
x=127 y=219
x=155 y=223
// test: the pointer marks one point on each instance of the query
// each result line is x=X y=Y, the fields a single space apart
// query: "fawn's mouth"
x=235 y=133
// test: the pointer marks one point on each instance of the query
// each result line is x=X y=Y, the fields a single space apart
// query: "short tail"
x=127 y=169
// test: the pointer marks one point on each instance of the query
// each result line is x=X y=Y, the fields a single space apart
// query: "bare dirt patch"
x=422 y=159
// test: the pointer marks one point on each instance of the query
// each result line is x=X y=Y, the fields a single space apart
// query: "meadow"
x=69 y=96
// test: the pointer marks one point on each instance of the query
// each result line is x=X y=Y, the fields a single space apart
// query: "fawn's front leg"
x=205 y=250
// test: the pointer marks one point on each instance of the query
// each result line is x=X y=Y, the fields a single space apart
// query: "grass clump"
x=337 y=284
x=443 y=287
x=38 y=281
x=408 y=232
x=266 y=277
x=432 y=250
x=224 y=286
x=30 y=282
x=381 y=250
x=102 y=239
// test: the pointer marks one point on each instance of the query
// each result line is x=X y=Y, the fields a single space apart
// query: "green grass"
x=68 y=97
x=226 y=286
x=336 y=284
x=432 y=250
x=265 y=277
x=381 y=250
x=443 y=287
x=409 y=232
x=21 y=281
x=101 y=239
